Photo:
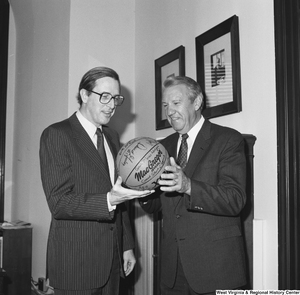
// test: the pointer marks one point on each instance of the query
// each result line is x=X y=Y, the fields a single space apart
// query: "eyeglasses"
x=106 y=97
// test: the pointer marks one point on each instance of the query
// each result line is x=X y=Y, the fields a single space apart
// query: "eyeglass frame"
x=112 y=97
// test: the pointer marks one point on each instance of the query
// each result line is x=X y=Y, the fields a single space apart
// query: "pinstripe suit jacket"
x=205 y=228
x=80 y=243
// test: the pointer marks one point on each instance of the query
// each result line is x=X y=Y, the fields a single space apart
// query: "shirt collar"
x=195 y=130
x=88 y=126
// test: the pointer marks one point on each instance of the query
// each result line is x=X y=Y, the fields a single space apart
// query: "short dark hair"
x=194 y=89
x=88 y=81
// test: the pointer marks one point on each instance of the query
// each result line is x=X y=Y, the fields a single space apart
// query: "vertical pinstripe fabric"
x=82 y=232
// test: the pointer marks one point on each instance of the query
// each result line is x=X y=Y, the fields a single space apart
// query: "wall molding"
x=4 y=26
x=287 y=39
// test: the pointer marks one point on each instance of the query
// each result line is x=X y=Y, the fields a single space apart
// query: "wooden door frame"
x=4 y=25
x=287 y=39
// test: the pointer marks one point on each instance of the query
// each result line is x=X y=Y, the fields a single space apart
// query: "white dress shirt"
x=91 y=129
x=192 y=137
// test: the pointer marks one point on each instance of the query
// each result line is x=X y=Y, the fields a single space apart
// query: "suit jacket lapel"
x=86 y=145
x=110 y=141
x=171 y=146
x=113 y=147
x=201 y=143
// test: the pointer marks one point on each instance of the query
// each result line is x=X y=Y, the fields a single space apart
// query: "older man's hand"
x=174 y=179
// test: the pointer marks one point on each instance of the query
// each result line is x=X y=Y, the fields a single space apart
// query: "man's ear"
x=84 y=95
x=198 y=102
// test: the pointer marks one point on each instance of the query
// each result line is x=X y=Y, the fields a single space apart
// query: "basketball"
x=140 y=163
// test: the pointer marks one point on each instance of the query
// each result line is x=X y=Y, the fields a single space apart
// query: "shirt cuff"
x=110 y=207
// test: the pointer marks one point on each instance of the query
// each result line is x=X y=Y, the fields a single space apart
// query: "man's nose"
x=112 y=103
x=169 y=111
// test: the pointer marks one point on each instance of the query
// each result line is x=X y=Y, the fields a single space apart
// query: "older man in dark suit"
x=90 y=242
x=203 y=195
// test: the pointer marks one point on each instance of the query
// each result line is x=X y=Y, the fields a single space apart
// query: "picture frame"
x=170 y=64
x=218 y=68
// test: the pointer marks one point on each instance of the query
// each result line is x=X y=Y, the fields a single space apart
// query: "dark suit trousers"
x=110 y=288
x=181 y=286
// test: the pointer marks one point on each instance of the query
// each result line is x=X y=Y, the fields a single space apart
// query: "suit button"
x=199 y=208
x=178 y=216
x=112 y=228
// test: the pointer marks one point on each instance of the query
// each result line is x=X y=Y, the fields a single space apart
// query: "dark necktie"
x=182 y=155
x=100 y=147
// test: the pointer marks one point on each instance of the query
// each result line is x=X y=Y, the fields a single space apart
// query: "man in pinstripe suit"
x=90 y=242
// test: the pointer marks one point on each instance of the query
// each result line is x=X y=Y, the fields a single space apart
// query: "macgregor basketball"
x=140 y=163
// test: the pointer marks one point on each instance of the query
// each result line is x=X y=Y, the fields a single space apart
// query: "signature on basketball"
x=129 y=154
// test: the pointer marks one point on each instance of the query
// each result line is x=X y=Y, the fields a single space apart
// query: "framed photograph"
x=218 y=68
x=170 y=64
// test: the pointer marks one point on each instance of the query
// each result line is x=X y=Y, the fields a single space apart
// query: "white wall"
x=162 y=26
x=102 y=33
x=38 y=85
x=53 y=43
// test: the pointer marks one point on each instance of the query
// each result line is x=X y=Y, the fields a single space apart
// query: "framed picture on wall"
x=218 y=68
x=170 y=64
